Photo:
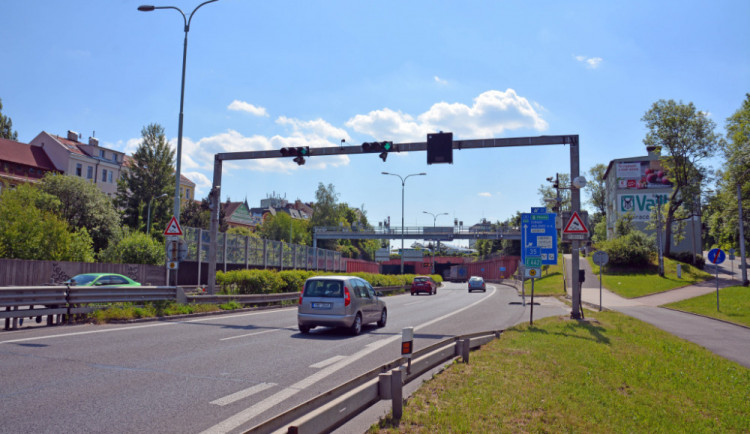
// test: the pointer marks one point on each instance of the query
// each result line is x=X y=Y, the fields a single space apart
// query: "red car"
x=423 y=284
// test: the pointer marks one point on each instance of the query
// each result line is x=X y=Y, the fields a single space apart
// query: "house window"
x=104 y=175
x=187 y=193
x=89 y=172
x=102 y=153
x=79 y=170
x=110 y=176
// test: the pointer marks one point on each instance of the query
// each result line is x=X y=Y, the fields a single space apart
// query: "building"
x=100 y=165
x=237 y=214
x=21 y=163
x=634 y=186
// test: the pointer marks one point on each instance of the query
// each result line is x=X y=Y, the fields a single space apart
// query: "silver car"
x=339 y=301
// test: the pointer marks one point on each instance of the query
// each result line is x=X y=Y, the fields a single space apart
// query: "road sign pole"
x=600 y=287
x=531 y=316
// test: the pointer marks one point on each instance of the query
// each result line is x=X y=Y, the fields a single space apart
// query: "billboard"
x=640 y=204
x=637 y=175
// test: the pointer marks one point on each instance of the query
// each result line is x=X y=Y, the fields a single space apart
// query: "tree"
x=150 y=175
x=548 y=191
x=135 y=248
x=30 y=228
x=198 y=215
x=6 y=126
x=597 y=189
x=282 y=226
x=326 y=212
x=83 y=205
x=686 y=137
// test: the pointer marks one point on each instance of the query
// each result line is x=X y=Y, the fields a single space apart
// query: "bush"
x=634 y=249
x=135 y=248
x=687 y=257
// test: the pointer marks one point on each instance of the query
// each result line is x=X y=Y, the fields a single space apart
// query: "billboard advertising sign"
x=637 y=175
x=640 y=204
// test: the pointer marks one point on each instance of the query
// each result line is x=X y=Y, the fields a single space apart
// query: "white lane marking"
x=248 y=414
x=249 y=334
x=324 y=363
x=242 y=394
x=212 y=318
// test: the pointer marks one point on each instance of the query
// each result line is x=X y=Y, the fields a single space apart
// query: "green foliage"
x=596 y=188
x=230 y=305
x=129 y=311
x=83 y=205
x=547 y=191
x=633 y=249
x=734 y=305
x=135 y=248
x=31 y=229
x=600 y=232
x=282 y=226
x=150 y=175
x=6 y=126
x=687 y=257
x=242 y=231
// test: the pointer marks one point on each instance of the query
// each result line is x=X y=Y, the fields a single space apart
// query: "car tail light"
x=300 y=298
x=347 y=297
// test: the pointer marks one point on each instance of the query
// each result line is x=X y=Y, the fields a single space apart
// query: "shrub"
x=634 y=249
x=687 y=257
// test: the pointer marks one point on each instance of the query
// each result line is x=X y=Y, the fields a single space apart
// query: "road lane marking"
x=160 y=324
x=248 y=414
x=249 y=334
x=326 y=362
x=242 y=394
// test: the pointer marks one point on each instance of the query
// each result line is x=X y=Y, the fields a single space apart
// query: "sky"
x=266 y=75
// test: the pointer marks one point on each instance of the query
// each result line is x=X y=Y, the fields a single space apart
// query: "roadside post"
x=731 y=258
x=538 y=247
x=175 y=246
x=600 y=258
x=716 y=257
x=407 y=346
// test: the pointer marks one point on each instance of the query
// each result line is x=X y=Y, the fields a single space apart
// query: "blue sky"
x=264 y=75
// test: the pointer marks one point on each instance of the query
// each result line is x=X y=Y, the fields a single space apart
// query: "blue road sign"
x=539 y=237
x=538 y=210
x=716 y=256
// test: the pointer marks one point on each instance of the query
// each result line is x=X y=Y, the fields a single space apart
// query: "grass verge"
x=126 y=311
x=630 y=282
x=551 y=282
x=613 y=374
x=734 y=305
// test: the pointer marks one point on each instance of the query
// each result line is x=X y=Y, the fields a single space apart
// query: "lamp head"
x=146 y=8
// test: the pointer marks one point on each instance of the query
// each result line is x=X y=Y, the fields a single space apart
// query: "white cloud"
x=242 y=106
x=485 y=194
x=492 y=113
x=439 y=80
x=591 y=62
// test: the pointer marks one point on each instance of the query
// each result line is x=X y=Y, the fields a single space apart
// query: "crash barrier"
x=265 y=299
x=335 y=407
x=60 y=302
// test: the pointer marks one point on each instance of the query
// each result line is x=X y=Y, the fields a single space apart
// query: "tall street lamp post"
x=403 y=184
x=743 y=259
x=434 y=220
x=148 y=225
x=149 y=8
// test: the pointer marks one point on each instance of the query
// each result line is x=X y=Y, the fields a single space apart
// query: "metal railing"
x=335 y=407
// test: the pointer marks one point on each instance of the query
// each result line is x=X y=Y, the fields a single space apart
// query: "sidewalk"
x=725 y=339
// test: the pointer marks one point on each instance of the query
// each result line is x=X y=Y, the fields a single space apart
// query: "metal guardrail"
x=266 y=298
x=57 y=302
x=335 y=407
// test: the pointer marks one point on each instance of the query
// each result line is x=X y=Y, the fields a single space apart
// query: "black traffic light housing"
x=383 y=147
x=299 y=153
x=440 y=148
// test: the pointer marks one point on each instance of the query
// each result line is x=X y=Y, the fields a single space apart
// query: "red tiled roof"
x=71 y=145
x=22 y=153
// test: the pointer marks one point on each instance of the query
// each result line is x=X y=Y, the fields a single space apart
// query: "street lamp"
x=743 y=260
x=148 y=225
x=149 y=8
x=434 y=220
x=403 y=184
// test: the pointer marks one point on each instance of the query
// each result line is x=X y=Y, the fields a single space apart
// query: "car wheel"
x=383 y=318
x=356 y=327
x=412 y=293
x=304 y=329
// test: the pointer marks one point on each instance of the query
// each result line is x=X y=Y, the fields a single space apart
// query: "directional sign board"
x=539 y=237
x=716 y=256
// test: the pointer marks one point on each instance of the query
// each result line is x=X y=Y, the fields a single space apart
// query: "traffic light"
x=440 y=148
x=299 y=153
x=383 y=147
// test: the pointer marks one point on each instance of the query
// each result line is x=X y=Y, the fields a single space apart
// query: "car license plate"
x=321 y=305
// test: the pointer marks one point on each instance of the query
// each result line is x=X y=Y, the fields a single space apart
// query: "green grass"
x=637 y=282
x=126 y=311
x=734 y=305
x=551 y=282
x=614 y=374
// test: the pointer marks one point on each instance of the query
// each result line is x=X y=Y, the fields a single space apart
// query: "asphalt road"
x=223 y=373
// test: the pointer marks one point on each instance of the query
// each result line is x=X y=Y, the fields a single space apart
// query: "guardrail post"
x=463 y=349
x=384 y=385
x=397 y=401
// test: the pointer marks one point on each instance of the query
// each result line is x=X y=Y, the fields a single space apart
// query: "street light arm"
x=197 y=7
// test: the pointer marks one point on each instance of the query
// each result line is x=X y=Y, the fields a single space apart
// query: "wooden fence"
x=21 y=272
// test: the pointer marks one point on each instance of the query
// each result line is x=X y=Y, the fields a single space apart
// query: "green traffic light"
x=387 y=146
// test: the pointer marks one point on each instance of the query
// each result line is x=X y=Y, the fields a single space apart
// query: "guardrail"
x=266 y=298
x=60 y=302
x=335 y=407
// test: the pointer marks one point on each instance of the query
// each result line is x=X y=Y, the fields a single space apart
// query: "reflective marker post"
x=407 y=346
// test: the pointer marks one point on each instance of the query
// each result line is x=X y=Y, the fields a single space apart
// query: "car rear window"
x=420 y=279
x=323 y=288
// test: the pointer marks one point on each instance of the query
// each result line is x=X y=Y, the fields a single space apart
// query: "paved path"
x=725 y=339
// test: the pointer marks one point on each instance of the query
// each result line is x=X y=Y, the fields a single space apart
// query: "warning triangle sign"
x=575 y=225
x=173 y=228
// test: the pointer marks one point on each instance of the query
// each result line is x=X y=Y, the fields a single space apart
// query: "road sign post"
x=716 y=257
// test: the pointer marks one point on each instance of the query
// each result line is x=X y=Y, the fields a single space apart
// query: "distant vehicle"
x=423 y=284
x=456 y=273
x=339 y=301
x=101 y=279
x=477 y=283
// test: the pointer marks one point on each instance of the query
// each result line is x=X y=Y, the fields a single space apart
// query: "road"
x=223 y=373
